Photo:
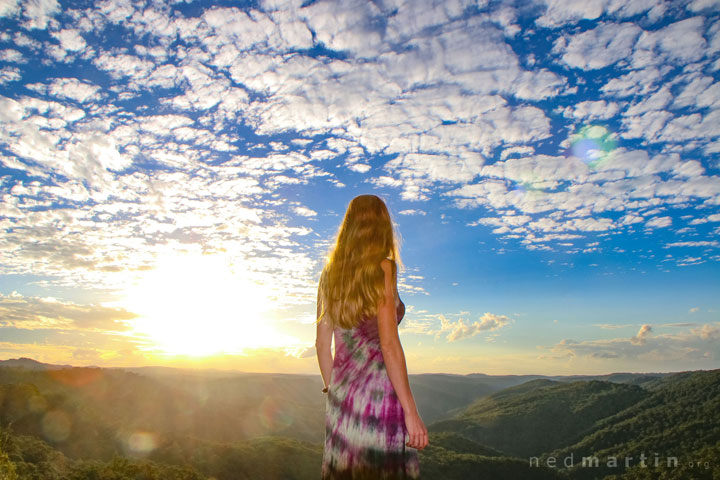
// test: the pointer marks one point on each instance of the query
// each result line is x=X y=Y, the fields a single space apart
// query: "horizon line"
x=211 y=369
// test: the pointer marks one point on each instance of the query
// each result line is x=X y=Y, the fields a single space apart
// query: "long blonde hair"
x=352 y=282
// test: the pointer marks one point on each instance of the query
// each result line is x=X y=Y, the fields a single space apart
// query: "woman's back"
x=365 y=431
x=359 y=344
x=372 y=426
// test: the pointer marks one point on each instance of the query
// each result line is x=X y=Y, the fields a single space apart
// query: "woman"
x=370 y=409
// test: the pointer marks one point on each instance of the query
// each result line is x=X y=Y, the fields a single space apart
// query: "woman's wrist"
x=410 y=409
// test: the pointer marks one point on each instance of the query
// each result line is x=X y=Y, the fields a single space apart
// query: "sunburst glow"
x=200 y=305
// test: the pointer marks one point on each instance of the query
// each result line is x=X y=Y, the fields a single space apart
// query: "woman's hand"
x=416 y=431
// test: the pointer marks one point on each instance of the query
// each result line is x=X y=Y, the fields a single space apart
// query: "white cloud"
x=538 y=170
x=648 y=125
x=657 y=101
x=701 y=243
x=659 y=222
x=693 y=345
x=703 y=5
x=697 y=85
x=70 y=39
x=11 y=56
x=708 y=332
x=255 y=29
x=636 y=82
x=458 y=330
x=642 y=334
x=39 y=12
x=115 y=10
x=436 y=168
x=353 y=26
x=88 y=155
x=412 y=18
x=715 y=217
x=25 y=312
x=691 y=126
x=592 y=110
x=600 y=47
x=9 y=74
x=412 y=211
x=620 y=182
x=558 y=12
x=123 y=65
x=679 y=42
x=305 y=212
x=9 y=7
x=74 y=89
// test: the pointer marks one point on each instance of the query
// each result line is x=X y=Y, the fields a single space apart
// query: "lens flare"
x=141 y=443
x=77 y=377
x=527 y=188
x=56 y=426
x=271 y=415
x=593 y=144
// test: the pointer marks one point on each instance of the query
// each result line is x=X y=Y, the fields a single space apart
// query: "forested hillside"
x=671 y=416
x=540 y=415
x=679 y=417
x=91 y=423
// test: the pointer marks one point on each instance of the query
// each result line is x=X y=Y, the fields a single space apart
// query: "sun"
x=200 y=305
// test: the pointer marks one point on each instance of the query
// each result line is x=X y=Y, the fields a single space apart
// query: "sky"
x=173 y=174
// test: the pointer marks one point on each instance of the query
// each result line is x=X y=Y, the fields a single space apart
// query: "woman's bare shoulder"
x=388 y=265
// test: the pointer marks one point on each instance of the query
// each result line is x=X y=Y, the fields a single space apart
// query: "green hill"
x=679 y=417
x=440 y=396
x=541 y=415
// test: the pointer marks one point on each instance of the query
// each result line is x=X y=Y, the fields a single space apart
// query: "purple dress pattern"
x=365 y=431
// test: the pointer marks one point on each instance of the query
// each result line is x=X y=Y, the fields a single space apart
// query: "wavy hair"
x=352 y=282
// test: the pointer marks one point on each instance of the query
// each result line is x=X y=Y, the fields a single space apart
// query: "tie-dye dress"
x=365 y=431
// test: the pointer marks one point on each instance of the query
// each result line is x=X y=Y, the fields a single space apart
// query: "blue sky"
x=173 y=174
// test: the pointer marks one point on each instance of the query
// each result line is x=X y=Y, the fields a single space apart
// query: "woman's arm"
x=323 y=344
x=390 y=341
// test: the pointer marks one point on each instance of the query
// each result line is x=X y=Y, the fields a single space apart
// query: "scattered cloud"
x=33 y=313
x=690 y=346
x=216 y=128
x=703 y=243
x=458 y=330
x=659 y=222
x=642 y=334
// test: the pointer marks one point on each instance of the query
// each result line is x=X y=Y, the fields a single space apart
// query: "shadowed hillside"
x=440 y=396
x=540 y=415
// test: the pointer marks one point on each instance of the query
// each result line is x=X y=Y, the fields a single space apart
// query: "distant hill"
x=440 y=395
x=631 y=378
x=30 y=364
